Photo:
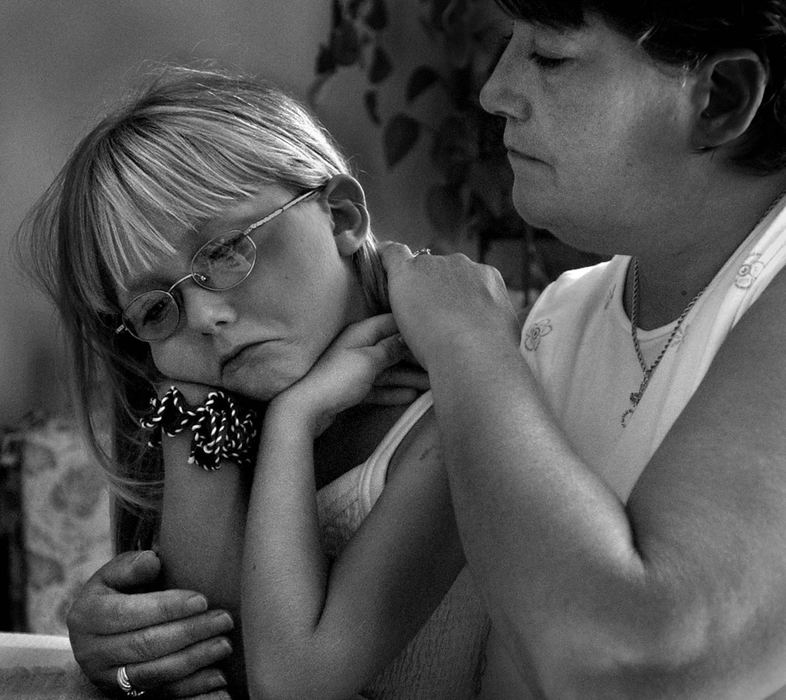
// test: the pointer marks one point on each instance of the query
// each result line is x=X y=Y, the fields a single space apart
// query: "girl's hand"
x=345 y=374
x=400 y=384
x=441 y=301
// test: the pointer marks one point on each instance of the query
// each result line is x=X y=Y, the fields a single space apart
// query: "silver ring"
x=422 y=251
x=125 y=684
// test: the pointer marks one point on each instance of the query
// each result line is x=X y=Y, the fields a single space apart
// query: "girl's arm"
x=203 y=518
x=312 y=629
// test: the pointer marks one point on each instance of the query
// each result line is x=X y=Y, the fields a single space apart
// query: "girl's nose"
x=206 y=311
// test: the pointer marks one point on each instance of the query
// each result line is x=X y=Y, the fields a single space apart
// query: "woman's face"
x=597 y=134
x=259 y=337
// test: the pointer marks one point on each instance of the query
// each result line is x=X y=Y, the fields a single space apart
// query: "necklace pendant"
x=635 y=397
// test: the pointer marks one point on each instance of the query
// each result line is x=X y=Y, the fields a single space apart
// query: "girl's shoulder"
x=345 y=502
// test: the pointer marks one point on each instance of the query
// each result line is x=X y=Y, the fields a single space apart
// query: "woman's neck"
x=670 y=275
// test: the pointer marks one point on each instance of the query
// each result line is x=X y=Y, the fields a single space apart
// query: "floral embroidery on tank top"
x=749 y=270
x=535 y=332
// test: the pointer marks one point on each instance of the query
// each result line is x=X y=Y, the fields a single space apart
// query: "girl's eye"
x=547 y=62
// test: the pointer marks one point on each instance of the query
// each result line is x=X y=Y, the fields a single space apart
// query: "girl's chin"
x=250 y=386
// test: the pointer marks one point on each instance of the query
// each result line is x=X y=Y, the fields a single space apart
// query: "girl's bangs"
x=138 y=208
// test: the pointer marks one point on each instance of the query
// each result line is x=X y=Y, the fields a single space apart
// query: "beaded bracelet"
x=223 y=429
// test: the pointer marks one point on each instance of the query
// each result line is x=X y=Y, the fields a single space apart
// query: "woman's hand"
x=345 y=374
x=168 y=640
x=440 y=300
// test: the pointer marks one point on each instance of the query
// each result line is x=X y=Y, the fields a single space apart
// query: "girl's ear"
x=349 y=216
x=729 y=88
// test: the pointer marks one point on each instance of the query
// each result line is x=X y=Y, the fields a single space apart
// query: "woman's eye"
x=548 y=62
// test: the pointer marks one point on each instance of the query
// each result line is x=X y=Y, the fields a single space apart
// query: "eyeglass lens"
x=220 y=264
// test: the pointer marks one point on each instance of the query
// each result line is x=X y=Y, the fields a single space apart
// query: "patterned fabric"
x=62 y=509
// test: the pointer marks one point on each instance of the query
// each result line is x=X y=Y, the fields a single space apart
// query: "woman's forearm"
x=562 y=563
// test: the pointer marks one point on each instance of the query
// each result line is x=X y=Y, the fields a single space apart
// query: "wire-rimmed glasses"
x=220 y=264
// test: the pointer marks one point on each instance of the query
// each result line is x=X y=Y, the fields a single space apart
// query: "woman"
x=210 y=252
x=619 y=480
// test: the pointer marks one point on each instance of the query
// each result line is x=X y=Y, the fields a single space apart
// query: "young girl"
x=208 y=235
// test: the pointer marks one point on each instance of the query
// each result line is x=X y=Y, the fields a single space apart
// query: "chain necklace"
x=635 y=397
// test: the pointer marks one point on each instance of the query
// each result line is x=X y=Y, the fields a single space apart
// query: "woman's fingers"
x=108 y=602
x=164 y=640
x=199 y=684
x=189 y=669
x=392 y=253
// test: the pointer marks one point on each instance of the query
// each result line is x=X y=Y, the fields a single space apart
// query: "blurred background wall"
x=63 y=61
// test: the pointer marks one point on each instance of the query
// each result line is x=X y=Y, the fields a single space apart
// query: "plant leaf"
x=400 y=135
x=338 y=14
x=420 y=80
x=381 y=66
x=370 y=100
x=345 y=44
x=445 y=210
x=325 y=62
x=377 y=18
x=454 y=148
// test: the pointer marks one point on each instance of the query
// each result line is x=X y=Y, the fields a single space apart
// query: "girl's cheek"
x=167 y=362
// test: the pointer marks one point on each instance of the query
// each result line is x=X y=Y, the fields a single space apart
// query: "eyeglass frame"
x=200 y=278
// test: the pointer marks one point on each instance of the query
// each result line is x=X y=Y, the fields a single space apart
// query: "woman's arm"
x=312 y=629
x=681 y=592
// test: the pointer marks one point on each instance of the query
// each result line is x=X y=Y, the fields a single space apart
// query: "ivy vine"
x=466 y=148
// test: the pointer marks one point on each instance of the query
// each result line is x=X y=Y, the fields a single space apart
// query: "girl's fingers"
x=404 y=376
x=391 y=396
x=367 y=332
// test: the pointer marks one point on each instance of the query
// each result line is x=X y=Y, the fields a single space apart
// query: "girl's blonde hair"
x=186 y=146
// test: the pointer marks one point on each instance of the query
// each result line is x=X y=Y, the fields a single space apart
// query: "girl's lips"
x=235 y=354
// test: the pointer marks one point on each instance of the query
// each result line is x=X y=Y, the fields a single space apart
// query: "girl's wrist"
x=291 y=411
x=223 y=428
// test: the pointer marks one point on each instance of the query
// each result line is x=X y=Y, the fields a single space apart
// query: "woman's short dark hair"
x=683 y=32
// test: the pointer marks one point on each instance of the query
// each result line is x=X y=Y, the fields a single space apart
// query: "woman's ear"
x=729 y=88
x=349 y=216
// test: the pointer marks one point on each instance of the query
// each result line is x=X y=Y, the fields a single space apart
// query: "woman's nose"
x=503 y=92
x=206 y=311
